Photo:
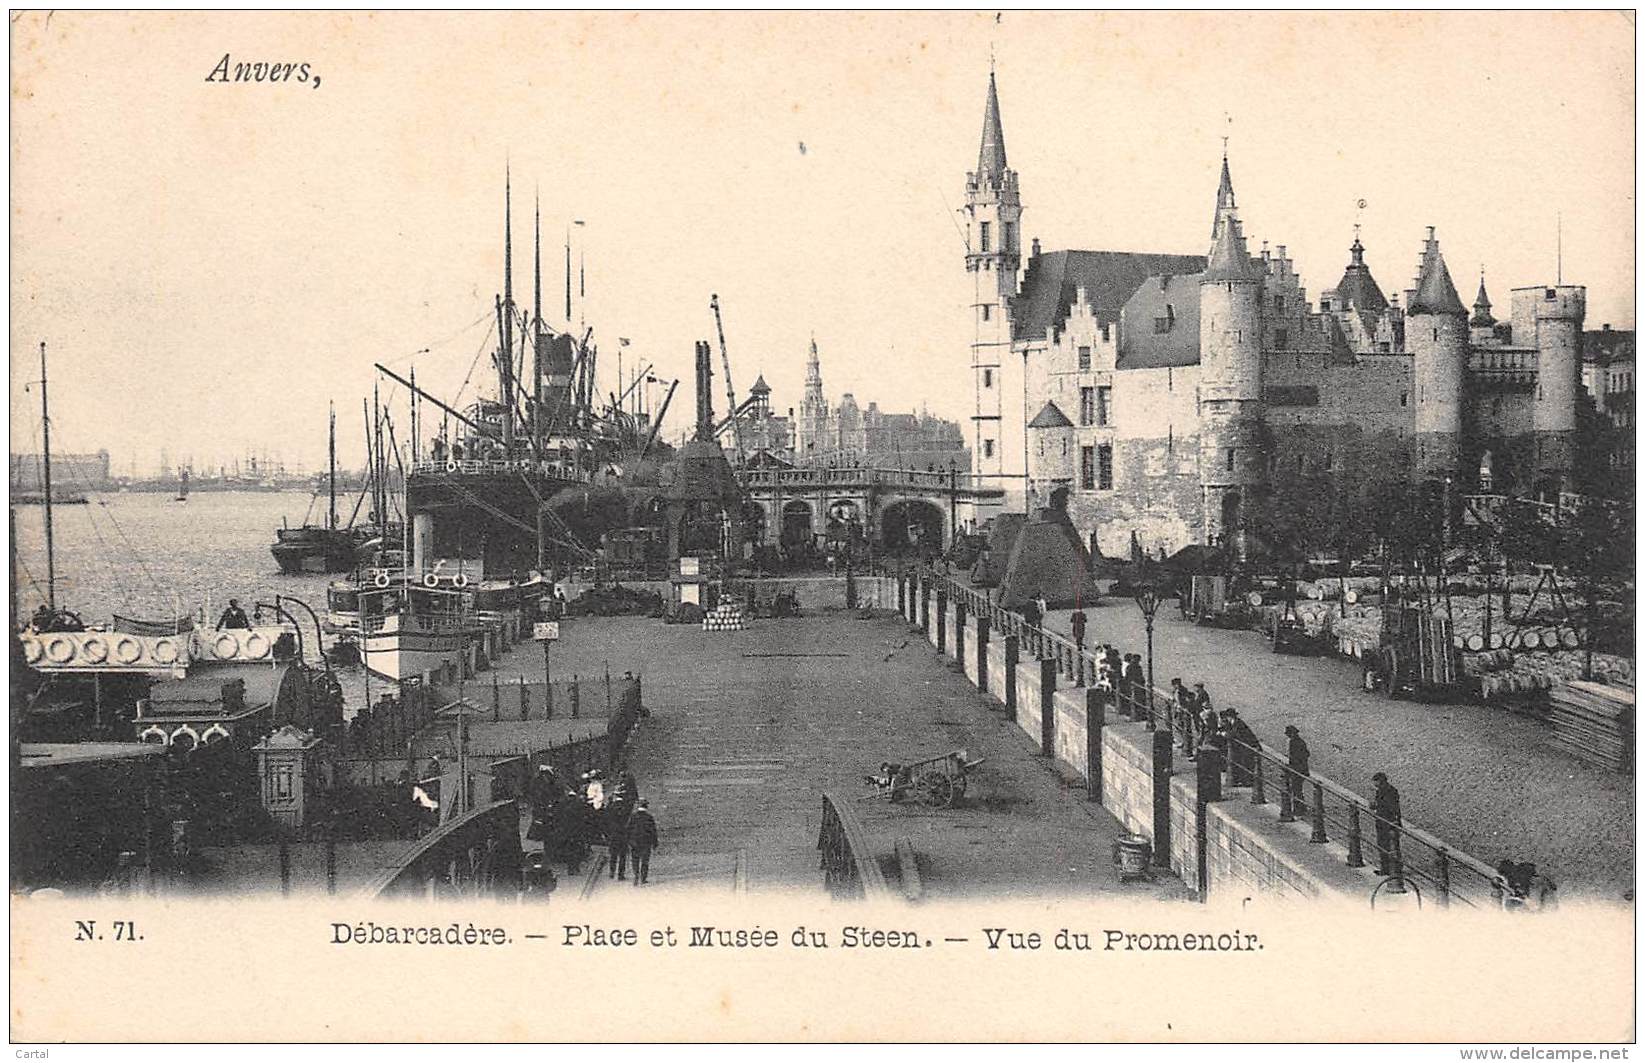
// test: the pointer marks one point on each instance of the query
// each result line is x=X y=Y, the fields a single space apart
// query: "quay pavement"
x=1481 y=778
x=748 y=728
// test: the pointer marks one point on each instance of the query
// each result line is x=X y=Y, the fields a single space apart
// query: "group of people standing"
x=568 y=819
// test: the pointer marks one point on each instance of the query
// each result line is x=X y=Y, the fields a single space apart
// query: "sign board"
x=546 y=630
x=690 y=566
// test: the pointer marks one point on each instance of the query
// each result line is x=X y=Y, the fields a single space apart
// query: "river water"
x=148 y=556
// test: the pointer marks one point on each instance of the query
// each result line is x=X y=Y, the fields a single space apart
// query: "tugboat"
x=320 y=548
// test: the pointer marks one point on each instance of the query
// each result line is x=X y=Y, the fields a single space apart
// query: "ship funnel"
x=705 y=398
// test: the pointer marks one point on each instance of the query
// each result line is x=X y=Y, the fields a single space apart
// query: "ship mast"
x=505 y=313
x=45 y=431
x=331 y=452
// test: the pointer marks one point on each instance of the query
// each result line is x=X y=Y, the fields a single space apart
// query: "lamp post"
x=1147 y=598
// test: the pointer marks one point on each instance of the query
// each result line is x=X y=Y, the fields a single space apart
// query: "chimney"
x=705 y=397
x=1034 y=248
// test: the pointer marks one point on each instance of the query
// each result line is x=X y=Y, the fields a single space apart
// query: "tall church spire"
x=1225 y=198
x=991 y=157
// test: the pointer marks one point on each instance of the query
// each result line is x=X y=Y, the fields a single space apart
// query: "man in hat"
x=1385 y=807
x=1243 y=745
x=1296 y=758
x=642 y=838
x=233 y=617
x=1077 y=621
x=1182 y=707
x=1134 y=682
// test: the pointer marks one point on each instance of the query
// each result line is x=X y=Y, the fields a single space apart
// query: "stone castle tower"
x=993 y=210
x=1436 y=336
x=1233 y=463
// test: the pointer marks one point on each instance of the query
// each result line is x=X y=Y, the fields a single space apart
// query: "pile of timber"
x=1596 y=722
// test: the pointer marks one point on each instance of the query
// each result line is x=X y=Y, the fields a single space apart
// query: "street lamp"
x=1147 y=598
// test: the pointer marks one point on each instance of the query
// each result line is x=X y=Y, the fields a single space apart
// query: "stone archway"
x=912 y=525
x=797 y=523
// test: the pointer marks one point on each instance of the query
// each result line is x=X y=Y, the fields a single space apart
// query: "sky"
x=212 y=264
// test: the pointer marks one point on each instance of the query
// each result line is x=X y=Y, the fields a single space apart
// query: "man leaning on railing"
x=1385 y=807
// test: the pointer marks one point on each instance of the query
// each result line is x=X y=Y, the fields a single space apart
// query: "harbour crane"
x=730 y=392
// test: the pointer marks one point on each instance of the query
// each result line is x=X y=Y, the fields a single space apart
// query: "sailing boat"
x=182 y=485
x=317 y=548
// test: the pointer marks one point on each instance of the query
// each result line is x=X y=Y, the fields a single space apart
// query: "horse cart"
x=937 y=781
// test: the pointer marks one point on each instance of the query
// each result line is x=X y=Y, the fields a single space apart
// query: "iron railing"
x=1439 y=870
x=474 y=855
x=850 y=867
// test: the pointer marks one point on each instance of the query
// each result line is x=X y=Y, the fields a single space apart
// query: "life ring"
x=60 y=649
x=256 y=646
x=380 y=580
x=127 y=650
x=165 y=651
x=225 y=646
x=459 y=580
x=431 y=580
x=32 y=650
x=95 y=649
x=451 y=466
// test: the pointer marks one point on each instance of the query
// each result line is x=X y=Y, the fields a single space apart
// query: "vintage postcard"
x=847 y=526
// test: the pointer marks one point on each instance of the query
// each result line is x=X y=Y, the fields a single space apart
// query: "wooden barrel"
x=1495 y=641
x=1511 y=640
x=1570 y=639
x=1254 y=598
x=1475 y=642
x=1351 y=597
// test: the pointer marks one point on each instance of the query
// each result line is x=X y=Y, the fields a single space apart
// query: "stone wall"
x=1245 y=851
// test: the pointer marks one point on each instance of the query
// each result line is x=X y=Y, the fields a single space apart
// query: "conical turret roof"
x=1435 y=293
x=1051 y=416
x=1482 y=306
x=991 y=156
x=1358 y=288
x=1229 y=261
x=1225 y=199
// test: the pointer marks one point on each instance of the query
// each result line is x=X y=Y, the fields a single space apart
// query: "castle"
x=1156 y=395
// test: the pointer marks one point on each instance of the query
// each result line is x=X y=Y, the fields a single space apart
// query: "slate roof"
x=991 y=155
x=1109 y=278
x=1435 y=293
x=1358 y=288
x=1051 y=416
x=1143 y=348
x=1229 y=260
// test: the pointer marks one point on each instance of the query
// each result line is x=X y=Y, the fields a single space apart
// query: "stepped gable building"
x=849 y=434
x=1158 y=393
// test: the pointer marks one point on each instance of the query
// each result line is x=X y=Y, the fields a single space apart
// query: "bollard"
x=1093 y=745
x=496 y=700
x=548 y=700
x=1258 y=795
x=1442 y=877
x=942 y=620
x=576 y=695
x=1207 y=789
x=1048 y=707
x=925 y=606
x=1318 y=811
x=525 y=700
x=608 y=686
x=1286 y=813
x=959 y=632
x=1356 y=850
x=902 y=596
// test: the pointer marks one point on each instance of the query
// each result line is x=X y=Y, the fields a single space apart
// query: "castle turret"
x=1232 y=461
x=1482 y=326
x=1436 y=335
x=993 y=212
x=1559 y=311
x=1226 y=208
